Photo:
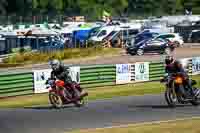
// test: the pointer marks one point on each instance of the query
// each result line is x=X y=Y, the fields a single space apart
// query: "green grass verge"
x=37 y=57
x=179 y=126
x=94 y=94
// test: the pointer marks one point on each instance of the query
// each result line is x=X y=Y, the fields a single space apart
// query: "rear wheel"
x=55 y=100
x=80 y=102
x=195 y=102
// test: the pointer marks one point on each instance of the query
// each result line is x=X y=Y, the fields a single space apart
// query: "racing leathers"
x=62 y=73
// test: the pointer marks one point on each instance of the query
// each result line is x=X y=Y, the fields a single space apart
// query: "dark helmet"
x=177 y=64
x=169 y=60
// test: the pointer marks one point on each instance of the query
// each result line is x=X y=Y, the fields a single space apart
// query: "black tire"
x=140 y=52
x=194 y=102
x=81 y=102
x=55 y=100
x=131 y=53
x=169 y=100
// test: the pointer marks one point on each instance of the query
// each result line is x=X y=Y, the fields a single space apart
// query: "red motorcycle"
x=61 y=94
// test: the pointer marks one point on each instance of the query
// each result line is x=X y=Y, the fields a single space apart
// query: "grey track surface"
x=95 y=114
x=117 y=59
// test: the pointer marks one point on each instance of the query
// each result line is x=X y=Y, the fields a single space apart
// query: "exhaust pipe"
x=79 y=98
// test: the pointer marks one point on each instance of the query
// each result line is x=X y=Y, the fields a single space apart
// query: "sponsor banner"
x=75 y=73
x=196 y=65
x=123 y=73
x=41 y=76
x=186 y=63
x=141 y=71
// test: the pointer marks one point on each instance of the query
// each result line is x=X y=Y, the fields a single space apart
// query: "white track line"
x=142 y=124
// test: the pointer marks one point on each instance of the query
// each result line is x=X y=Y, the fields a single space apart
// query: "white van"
x=102 y=33
x=105 y=31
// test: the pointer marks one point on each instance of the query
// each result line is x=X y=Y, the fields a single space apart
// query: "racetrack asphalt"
x=95 y=114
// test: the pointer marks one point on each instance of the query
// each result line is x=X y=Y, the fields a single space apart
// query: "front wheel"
x=55 y=100
x=170 y=97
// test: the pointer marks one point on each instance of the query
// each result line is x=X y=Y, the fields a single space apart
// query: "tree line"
x=94 y=8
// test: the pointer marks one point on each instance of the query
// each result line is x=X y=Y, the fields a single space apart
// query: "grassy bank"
x=94 y=94
x=37 y=57
x=179 y=126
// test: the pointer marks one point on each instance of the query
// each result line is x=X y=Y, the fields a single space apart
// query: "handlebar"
x=172 y=75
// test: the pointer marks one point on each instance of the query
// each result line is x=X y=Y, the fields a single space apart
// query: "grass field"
x=94 y=94
x=178 y=126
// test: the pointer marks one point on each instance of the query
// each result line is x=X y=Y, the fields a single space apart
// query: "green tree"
x=3 y=4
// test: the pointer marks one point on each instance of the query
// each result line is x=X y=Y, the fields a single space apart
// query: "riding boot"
x=66 y=96
x=73 y=87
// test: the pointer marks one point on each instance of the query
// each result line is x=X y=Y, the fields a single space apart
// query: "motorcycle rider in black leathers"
x=174 y=66
x=61 y=72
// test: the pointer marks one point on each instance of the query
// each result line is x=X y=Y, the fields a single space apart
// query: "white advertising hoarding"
x=186 y=62
x=141 y=71
x=40 y=78
x=75 y=73
x=196 y=65
x=123 y=73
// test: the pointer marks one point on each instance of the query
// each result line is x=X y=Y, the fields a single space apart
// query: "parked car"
x=173 y=37
x=161 y=46
x=143 y=36
x=194 y=36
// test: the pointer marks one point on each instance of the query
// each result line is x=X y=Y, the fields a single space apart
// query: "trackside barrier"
x=156 y=71
x=97 y=75
x=15 y=84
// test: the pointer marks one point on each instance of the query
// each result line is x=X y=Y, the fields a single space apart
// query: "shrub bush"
x=38 y=57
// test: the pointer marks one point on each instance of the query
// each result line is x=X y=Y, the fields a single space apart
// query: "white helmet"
x=55 y=64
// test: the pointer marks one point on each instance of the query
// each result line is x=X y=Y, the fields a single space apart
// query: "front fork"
x=173 y=91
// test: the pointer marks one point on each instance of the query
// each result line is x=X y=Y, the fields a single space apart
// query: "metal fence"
x=15 y=84
x=156 y=71
x=97 y=75
x=39 y=19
